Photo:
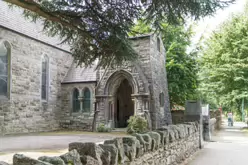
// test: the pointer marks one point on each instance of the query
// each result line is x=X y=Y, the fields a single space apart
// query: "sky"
x=209 y=24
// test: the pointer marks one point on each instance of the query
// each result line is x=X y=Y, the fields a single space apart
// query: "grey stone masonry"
x=146 y=75
x=11 y=18
x=135 y=88
x=76 y=120
x=159 y=83
x=25 y=111
x=170 y=145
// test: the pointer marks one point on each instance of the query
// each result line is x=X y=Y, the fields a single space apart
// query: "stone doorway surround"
x=123 y=105
x=108 y=101
x=112 y=88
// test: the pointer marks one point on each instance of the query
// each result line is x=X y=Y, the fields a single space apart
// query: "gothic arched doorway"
x=124 y=106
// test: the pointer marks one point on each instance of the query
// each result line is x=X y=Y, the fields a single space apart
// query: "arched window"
x=45 y=78
x=86 y=102
x=76 y=102
x=161 y=99
x=5 y=69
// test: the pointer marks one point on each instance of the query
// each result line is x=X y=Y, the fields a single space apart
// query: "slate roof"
x=12 y=18
x=80 y=74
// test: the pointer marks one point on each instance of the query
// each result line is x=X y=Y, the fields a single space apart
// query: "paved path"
x=229 y=147
x=46 y=141
x=50 y=144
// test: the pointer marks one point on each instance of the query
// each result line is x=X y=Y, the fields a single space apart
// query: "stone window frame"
x=9 y=79
x=90 y=99
x=48 y=78
x=72 y=102
x=81 y=89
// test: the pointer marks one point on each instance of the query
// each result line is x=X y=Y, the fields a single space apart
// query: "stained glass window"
x=86 y=102
x=4 y=69
x=76 y=103
x=44 y=78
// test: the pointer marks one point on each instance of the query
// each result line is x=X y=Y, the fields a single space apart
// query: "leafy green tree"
x=224 y=64
x=181 y=66
x=98 y=29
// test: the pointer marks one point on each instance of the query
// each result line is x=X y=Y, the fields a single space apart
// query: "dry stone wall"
x=178 y=116
x=169 y=145
x=217 y=115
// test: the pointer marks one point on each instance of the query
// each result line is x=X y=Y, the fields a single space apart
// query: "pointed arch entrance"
x=120 y=87
x=124 y=106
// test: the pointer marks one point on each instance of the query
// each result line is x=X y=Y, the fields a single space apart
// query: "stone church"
x=42 y=89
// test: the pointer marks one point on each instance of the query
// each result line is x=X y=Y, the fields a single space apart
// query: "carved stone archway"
x=118 y=98
x=115 y=80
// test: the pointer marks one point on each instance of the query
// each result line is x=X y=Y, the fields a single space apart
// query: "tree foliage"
x=224 y=64
x=98 y=29
x=181 y=66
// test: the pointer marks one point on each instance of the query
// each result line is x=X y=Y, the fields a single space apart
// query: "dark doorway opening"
x=124 y=104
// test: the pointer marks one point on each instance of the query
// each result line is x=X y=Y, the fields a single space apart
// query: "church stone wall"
x=140 y=72
x=159 y=85
x=25 y=111
x=76 y=120
x=150 y=74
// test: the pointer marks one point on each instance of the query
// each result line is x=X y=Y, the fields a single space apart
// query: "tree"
x=98 y=29
x=224 y=64
x=181 y=66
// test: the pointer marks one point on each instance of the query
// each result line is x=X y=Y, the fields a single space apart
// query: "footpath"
x=228 y=147
x=49 y=144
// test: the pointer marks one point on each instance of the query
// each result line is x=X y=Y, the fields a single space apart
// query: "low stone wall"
x=217 y=115
x=78 y=123
x=169 y=145
x=212 y=123
x=178 y=116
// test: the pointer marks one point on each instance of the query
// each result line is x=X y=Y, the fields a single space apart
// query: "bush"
x=136 y=124
x=103 y=128
x=70 y=162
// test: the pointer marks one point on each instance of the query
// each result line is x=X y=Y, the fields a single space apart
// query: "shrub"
x=70 y=162
x=136 y=124
x=103 y=128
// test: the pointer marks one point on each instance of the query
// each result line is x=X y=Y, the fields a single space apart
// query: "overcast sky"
x=208 y=24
